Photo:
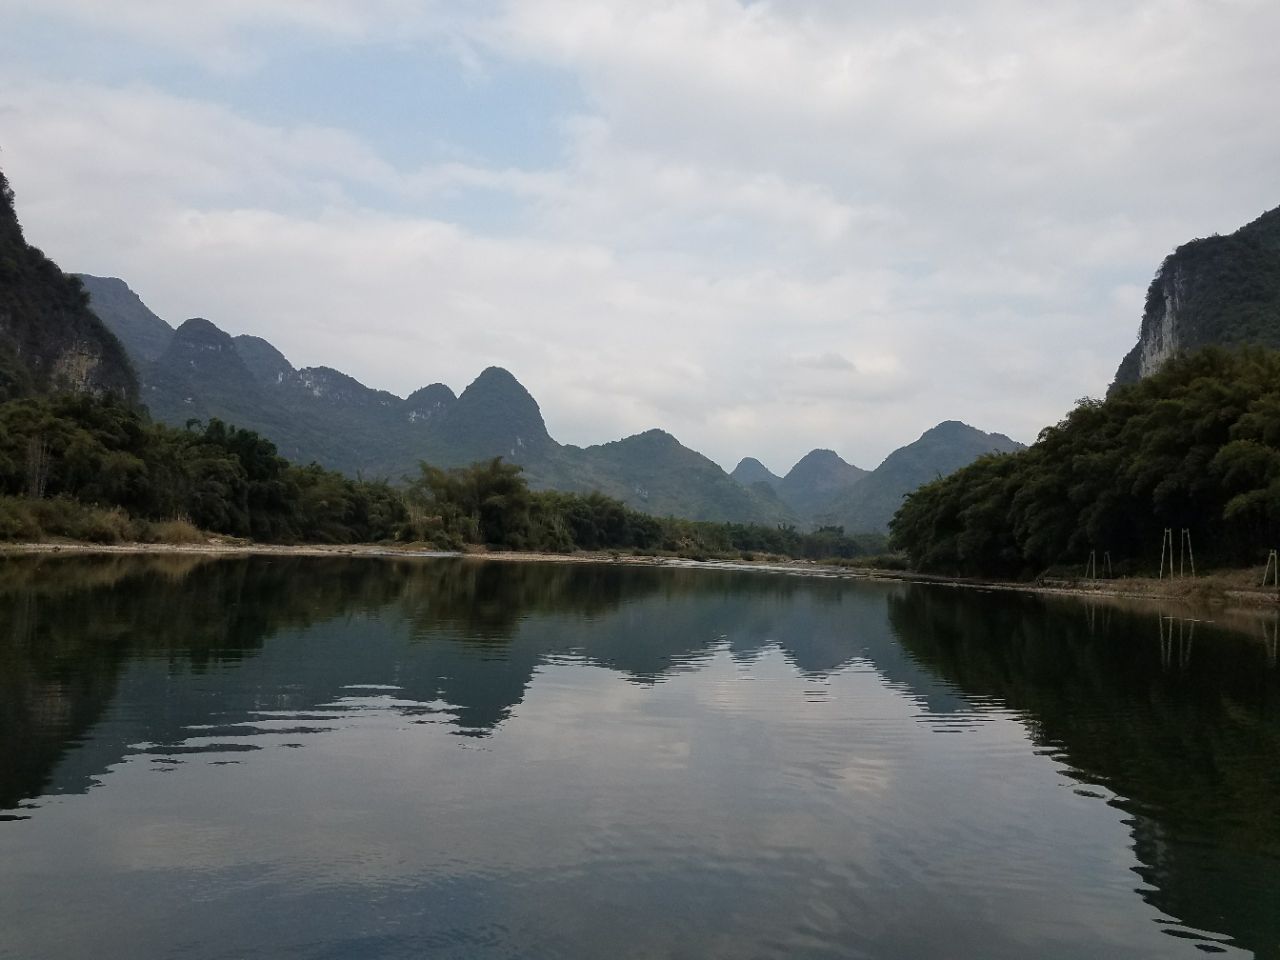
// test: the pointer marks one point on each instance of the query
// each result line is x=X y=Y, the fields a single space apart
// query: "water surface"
x=319 y=758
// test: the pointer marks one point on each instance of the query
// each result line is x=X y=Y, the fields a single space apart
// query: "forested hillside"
x=1222 y=291
x=871 y=503
x=199 y=371
x=1195 y=446
x=49 y=339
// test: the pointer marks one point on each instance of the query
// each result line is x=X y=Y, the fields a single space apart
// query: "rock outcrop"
x=1220 y=291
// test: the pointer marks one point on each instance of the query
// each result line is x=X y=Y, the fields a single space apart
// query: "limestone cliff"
x=1223 y=291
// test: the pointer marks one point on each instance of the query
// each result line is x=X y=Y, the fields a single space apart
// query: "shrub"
x=180 y=530
x=17 y=521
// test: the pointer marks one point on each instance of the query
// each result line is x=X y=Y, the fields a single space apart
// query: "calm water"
x=359 y=759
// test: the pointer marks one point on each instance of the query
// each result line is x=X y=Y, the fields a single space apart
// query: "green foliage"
x=82 y=452
x=94 y=469
x=1196 y=446
x=1222 y=290
x=490 y=503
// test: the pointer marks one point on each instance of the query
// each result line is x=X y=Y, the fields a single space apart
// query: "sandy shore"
x=1236 y=588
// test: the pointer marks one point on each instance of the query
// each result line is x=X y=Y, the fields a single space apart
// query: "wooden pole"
x=1191 y=556
x=1166 y=549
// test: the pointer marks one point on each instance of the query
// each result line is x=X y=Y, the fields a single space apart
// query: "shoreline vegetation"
x=1235 y=590
x=1193 y=449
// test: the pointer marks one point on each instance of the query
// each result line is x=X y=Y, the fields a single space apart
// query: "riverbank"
x=1232 y=588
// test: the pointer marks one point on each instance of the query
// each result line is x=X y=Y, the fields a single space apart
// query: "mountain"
x=143 y=334
x=816 y=479
x=321 y=414
x=654 y=472
x=49 y=339
x=1218 y=290
x=495 y=416
x=750 y=471
x=871 y=503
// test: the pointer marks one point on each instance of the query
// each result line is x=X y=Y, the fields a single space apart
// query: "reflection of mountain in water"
x=104 y=659
x=454 y=638
x=1186 y=731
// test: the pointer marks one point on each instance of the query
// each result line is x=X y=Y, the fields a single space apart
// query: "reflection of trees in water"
x=69 y=627
x=484 y=601
x=1186 y=729
x=69 y=624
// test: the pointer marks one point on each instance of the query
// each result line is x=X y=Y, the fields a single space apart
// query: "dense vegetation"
x=1196 y=447
x=870 y=504
x=1222 y=291
x=97 y=469
x=491 y=503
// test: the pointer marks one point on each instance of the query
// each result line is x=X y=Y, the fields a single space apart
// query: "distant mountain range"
x=317 y=413
x=824 y=490
x=199 y=371
x=1218 y=290
x=95 y=335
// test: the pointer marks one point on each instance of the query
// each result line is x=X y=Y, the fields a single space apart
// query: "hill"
x=1219 y=291
x=871 y=504
x=1193 y=447
x=816 y=480
x=320 y=414
x=49 y=339
x=751 y=471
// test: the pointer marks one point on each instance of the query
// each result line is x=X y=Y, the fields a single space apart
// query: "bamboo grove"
x=1194 y=447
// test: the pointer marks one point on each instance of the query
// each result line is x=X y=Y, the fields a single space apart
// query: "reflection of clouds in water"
x=781 y=781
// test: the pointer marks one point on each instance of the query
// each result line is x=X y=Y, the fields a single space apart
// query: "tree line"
x=489 y=502
x=1194 y=447
x=98 y=469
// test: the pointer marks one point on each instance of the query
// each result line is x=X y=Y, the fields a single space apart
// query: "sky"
x=762 y=226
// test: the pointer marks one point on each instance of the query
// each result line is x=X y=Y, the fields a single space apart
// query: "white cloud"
x=772 y=226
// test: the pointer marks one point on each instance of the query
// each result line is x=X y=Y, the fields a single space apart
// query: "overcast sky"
x=764 y=227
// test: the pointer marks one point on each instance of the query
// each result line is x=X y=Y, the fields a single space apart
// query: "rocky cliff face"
x=1222 y=291
x=49 y=339
x=1159 y=340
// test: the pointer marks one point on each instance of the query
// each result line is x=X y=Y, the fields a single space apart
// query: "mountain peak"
x=200 y=330
x=819 y=459
x=750 y=470
x=496 y=412
x=818 y=477
x=496 y=378
x=144 y=335
x=950 y=431
x=265 y=362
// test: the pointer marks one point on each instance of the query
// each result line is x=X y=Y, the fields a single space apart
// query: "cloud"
x=769 y=227
x=824 y=361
